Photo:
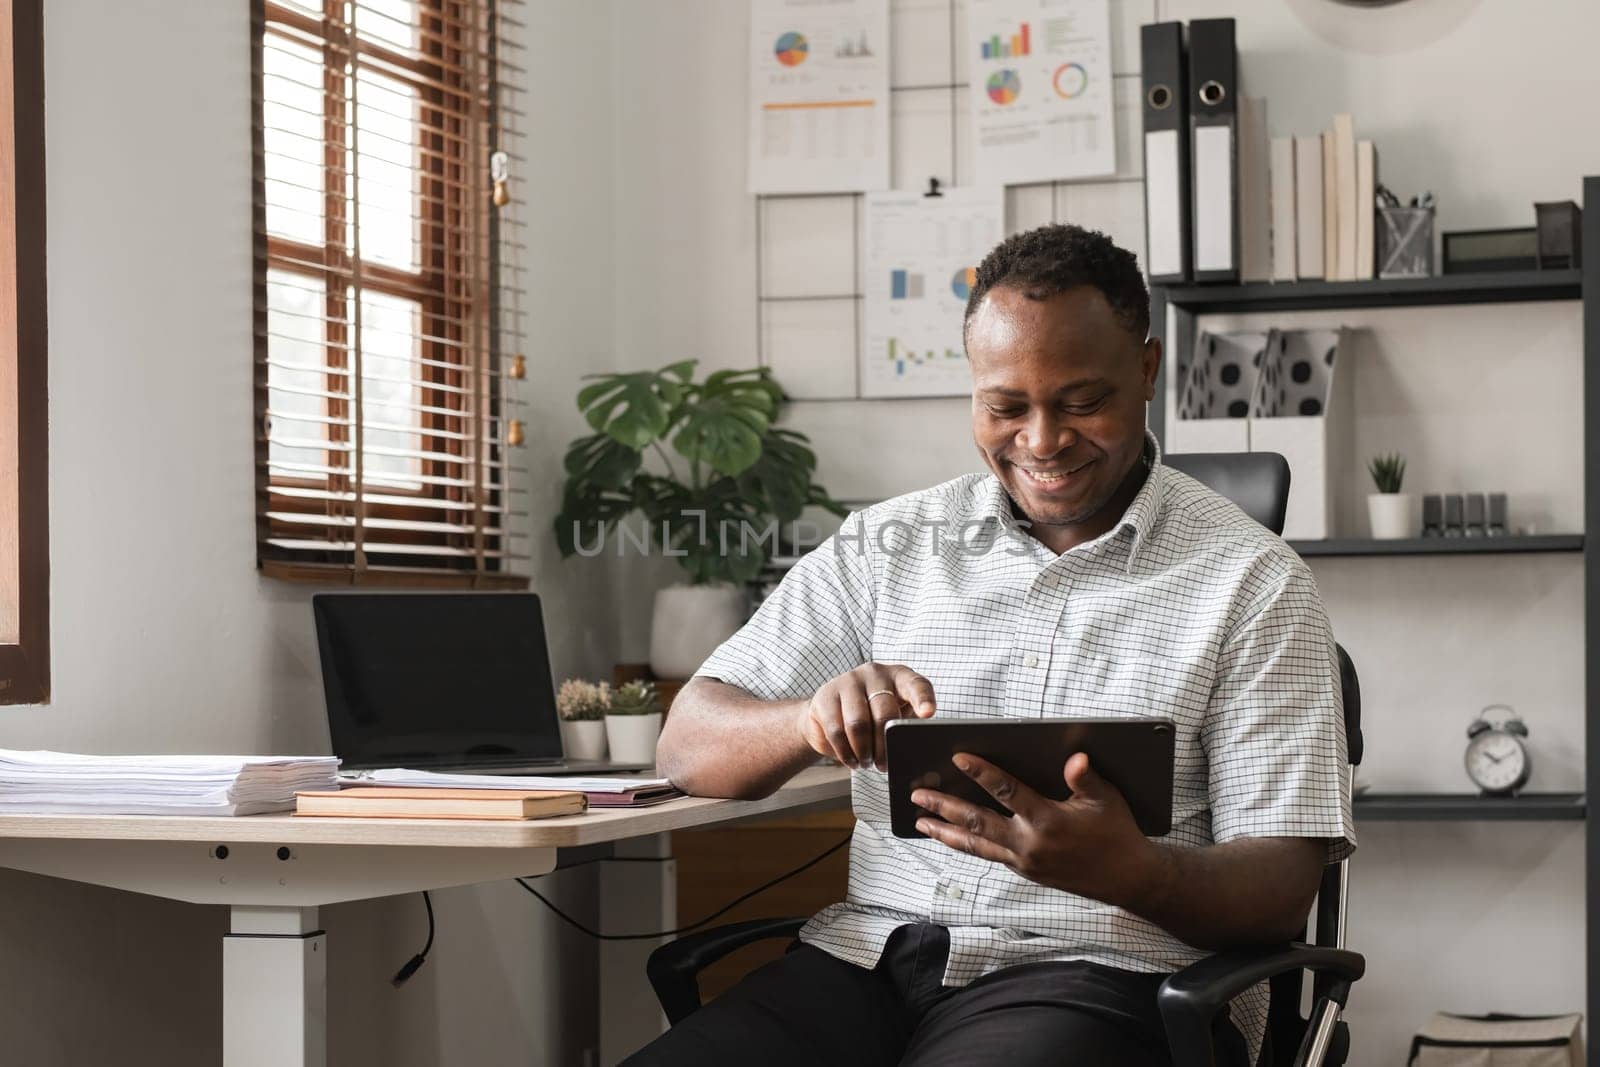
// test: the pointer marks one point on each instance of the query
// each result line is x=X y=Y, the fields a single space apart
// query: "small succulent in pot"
x=1392 y=514
x=635 y=698
x=581 y=701
x=1387 y=472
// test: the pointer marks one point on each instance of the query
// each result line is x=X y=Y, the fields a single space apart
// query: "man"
x=1080 y=576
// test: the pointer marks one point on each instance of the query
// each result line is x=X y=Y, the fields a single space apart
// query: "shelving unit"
x=1439 y=546
x=1187 y=302
x=1498 y=288
x=1468 y=807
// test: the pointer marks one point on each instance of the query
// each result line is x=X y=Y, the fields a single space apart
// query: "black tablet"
x=1133 y=754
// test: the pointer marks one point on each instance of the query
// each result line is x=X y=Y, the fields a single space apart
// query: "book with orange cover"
x=379 y=802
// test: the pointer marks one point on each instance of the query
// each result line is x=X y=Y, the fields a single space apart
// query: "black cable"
x=719 y=913
x=597 y=859
x=420 y=958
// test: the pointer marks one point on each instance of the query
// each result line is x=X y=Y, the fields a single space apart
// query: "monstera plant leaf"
x=727 y=419
x=716 y=533
x=600 y=460
x=587 y=513
x=635 y=409
x=781 y=477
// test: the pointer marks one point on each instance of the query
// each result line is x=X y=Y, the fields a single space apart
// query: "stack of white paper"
x=436 y=779
x=62 y=783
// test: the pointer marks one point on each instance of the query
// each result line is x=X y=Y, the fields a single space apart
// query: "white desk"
x=275 y=871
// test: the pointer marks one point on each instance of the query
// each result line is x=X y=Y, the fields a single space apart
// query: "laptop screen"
x=419 y=679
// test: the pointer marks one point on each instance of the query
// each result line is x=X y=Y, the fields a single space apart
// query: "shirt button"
x=954 y=893
x=1031 y=661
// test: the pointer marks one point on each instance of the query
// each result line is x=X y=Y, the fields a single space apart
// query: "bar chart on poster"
x=819 y=90
x=919 y=264
x=1041 y=90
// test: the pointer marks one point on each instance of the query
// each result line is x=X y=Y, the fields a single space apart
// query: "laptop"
x=456 y=682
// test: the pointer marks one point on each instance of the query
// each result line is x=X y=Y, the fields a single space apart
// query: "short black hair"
x=1052 y=259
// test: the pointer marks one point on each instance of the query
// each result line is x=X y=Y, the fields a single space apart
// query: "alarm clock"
x=1497 y=758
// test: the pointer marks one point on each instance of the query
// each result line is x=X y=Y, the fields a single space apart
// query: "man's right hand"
x=846 y=717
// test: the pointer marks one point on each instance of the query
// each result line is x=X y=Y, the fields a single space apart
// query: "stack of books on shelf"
x=62 y=783
x=1313 y=217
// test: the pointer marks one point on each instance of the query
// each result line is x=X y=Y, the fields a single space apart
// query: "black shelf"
x=1440 y=546
x=1468 y=807
x=1496 y=288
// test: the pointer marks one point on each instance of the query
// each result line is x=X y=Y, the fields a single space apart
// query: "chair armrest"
x=674 y=968
x=1190 y=999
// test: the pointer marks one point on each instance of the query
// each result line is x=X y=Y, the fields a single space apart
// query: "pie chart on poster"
x=791 y=49
x=1070 y=80
x=962 y=283
x=1004 y=86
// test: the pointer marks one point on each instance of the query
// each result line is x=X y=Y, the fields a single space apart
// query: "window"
x=24 y=462
x=386 y=220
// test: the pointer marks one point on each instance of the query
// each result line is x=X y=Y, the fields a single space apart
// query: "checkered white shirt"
x=1188 y=608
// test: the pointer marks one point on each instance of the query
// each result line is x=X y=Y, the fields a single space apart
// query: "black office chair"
x=1189 y=1000
x=1258 y=482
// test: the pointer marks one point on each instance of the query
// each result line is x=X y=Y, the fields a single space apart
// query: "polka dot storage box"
x=1301 y=409
x=1214 y=402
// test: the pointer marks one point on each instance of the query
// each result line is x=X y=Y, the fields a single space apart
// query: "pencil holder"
x=1405 y=242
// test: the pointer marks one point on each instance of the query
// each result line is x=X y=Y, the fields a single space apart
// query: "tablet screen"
x=1133 y=754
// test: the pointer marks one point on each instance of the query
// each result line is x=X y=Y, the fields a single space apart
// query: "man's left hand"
x=1088 y=844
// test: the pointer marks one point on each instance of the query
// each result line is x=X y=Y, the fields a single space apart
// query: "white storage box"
x=1302 y=411
x=1214 y=405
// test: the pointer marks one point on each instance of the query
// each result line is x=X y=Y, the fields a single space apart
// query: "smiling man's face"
x=1059 y=388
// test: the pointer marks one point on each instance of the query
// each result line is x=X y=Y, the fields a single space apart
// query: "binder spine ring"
x=1212 y=93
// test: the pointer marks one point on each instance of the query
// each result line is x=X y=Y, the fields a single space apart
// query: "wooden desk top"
x=812 y=788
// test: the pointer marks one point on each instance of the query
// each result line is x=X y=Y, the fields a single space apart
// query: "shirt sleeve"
x=1274 y=733
x=815 y=626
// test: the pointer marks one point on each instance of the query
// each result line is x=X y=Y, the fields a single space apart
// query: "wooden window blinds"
x=387 y=315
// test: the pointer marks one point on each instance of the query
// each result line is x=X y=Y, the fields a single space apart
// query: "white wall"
x=164 y=639
x=1460 y=99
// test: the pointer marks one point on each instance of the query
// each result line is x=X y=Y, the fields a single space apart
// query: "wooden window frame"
x=449 y=311
x=25 y=664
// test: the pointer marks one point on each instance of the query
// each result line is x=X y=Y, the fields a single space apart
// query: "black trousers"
x=810 y=1008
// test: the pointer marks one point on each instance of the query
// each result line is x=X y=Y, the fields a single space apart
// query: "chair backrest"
x=1256 y=481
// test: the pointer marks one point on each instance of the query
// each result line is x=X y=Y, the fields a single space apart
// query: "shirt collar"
x=1141 y=516
x=1145 y=511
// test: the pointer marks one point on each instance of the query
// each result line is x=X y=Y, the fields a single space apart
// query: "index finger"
x=915 y=690
x=1016 y=795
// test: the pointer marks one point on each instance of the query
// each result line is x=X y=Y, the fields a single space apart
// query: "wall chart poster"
x=1041 y=90
x=819 y=96
x=919 y=261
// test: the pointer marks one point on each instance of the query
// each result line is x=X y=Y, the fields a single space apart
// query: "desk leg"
x=274 y=988
x=638 y=892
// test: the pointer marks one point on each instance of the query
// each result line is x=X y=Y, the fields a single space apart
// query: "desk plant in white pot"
x=582 y=708
x=633 y=722
x=1389 y=509
x=729 y=476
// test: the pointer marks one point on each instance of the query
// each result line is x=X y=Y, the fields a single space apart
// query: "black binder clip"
x=933 y=188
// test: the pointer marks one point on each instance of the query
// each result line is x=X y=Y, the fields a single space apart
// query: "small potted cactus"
x=582 y=707
x=1389 y=509
x=633 y=722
